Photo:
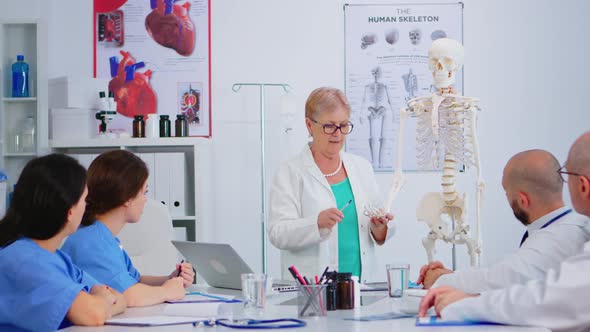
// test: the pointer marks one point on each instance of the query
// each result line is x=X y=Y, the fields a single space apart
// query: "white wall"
x=525 y=60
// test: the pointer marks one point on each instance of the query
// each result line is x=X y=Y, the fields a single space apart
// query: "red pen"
x=297 y=275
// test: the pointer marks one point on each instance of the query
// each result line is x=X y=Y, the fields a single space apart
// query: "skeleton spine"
x=448 y=179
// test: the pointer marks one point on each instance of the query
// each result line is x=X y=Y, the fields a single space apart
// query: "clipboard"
x=436 y=321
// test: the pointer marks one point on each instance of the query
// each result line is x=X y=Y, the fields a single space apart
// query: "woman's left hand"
x=379 y=227
x=377 y=222
x=186 y=272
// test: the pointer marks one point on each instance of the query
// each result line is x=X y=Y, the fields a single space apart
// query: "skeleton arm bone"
x=480 y=187
x=398 y=176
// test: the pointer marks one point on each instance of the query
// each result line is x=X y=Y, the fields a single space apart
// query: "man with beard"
x=559 y=301
x=554 y=232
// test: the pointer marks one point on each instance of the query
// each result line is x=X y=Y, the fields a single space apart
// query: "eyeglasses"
x=330 y=128
x=561 y=172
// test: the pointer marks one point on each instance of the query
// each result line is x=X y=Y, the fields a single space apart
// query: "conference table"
x=282 y=305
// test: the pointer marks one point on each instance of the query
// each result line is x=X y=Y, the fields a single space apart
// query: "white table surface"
x=334 y=321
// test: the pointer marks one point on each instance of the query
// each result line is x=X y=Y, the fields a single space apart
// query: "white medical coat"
x=298 y=194
x=545 y=248
x=560 y=302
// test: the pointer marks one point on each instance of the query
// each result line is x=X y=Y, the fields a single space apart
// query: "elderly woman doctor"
x=317 y=199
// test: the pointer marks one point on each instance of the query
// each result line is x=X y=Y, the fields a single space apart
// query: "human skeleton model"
x=410 y=84
x=446 y=125
x=379 y=112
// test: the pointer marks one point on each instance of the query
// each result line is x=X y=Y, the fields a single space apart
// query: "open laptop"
x=220 y=265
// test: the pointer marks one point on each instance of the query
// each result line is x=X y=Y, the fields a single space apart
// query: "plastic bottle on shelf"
x=20 y=77
x=27 y=135
x=152 y=129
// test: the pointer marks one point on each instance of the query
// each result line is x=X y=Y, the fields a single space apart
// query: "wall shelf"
x=20 y=154
x=19 y=100
x=128 y=142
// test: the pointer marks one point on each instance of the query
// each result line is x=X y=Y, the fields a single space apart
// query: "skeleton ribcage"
x=454 y=135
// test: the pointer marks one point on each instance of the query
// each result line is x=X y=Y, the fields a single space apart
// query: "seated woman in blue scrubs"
x=117 y=184
x=40 y=288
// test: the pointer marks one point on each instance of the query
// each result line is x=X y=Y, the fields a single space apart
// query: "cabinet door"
x=177 y=184
x=162 y=178
x=149 y=160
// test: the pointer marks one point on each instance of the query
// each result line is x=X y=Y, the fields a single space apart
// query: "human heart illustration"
x=170 y=26
x=133 y=93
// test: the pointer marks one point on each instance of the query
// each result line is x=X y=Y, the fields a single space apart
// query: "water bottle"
x=20 y=77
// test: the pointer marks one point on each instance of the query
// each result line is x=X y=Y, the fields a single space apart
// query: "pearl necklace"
x=336 y=171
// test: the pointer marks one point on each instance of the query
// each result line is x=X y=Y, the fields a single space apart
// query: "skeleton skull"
x=415 y=36
x=445 y=59
x=368 y=39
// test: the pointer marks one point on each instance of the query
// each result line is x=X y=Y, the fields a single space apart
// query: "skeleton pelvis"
x=432 y=209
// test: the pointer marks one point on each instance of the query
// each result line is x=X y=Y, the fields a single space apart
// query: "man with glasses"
x=560 y=302
x=317 y=199
x=534 y=190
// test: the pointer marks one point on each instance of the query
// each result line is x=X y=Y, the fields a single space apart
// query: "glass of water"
x=254 y=292
x=397 y=279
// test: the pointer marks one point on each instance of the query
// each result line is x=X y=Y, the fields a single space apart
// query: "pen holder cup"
x=311 y=300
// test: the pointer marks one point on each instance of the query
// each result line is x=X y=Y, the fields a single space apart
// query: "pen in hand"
x=180 y=268
x=345 y=205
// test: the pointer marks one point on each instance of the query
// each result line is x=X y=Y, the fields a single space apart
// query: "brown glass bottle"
x=164 y=126
x=180 y=126
x=138 y=126
x=344 y=291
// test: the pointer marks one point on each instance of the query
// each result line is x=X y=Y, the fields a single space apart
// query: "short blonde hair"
x=325 y=99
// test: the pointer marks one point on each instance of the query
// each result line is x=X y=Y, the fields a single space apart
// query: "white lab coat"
x=545 y=248
x=559 y=303
x=298 y=194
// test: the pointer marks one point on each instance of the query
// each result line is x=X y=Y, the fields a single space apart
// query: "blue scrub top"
x=97 y=251
x=38 y=287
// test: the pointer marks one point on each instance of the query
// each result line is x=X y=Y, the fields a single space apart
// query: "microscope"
x=107 y=112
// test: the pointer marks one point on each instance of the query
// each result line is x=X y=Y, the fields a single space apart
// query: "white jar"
x=152 y=128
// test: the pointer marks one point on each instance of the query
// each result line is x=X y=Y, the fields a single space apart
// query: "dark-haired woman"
x=40 y=288
x=117 y=184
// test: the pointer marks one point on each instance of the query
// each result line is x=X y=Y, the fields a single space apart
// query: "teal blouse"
x=349 y=253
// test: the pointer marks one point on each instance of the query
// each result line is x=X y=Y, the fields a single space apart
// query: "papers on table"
x=199 y=309
x=198 y=297
x=152 y=321
x=195 y=307
x=385 y=316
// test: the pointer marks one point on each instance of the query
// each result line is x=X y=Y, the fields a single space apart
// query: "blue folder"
x=436 y=321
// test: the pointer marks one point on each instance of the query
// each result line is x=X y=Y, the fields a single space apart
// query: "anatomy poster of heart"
x=386 y=60
x=156 y=56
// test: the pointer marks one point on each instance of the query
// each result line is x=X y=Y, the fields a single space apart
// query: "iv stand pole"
x=286 y=87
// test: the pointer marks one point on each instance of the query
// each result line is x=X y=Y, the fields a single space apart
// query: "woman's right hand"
x=329 y=217
x=174 y=288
